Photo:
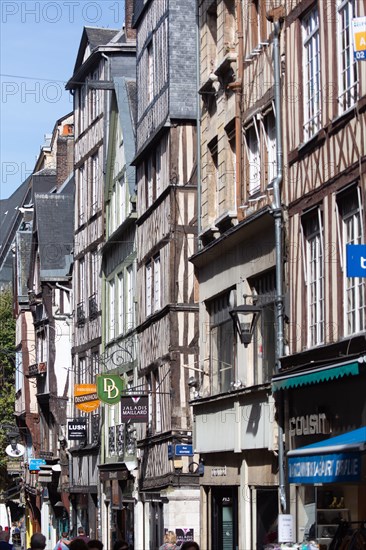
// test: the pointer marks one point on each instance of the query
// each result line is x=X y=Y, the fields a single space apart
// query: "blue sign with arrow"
x=184 y=450
x=35 y=463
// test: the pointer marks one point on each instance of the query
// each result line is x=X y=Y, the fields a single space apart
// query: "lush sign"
x=109 y=388
x=77 y=429
x=329 y=468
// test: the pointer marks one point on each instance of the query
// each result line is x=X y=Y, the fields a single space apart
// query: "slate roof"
x=138 y=8
x=54 y=223
x=24 y=243
x=126 y=103
x=8 y=212
x=94 y=36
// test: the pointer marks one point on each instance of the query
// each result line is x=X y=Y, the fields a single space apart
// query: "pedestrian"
x=170 y=539
x=63 y=543
x=95 y=545
x=82 y=535
x=38 y=541
x=4 y=541
x=78 y=544
x=189 y=545
x=121 y=545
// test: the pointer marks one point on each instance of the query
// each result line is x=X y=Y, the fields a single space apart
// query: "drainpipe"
x=277 y=213
x=198 y=128
x=238 y=121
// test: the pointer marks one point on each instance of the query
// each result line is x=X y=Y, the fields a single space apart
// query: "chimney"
x=130 y=32
x=64 y=158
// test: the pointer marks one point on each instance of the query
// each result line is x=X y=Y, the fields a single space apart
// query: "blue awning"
x=337 y=459
x=314 y=376
x=349 y=441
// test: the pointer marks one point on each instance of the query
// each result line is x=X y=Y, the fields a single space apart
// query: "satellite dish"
x=17 y=452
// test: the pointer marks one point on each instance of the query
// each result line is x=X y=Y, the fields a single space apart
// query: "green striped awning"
x=304 y=378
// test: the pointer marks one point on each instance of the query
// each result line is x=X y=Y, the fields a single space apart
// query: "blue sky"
x=39 y=42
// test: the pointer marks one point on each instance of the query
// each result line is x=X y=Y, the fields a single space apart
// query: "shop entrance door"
x=267 y=515
x=156 y=524
x=224 y=518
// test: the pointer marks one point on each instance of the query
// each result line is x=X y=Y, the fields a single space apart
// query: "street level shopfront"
x=325 y=426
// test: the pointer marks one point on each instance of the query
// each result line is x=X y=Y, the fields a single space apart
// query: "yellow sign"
x=85 y=397
x=359 y=38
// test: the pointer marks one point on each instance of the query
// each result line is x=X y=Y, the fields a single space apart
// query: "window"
x=222 y=344
x=264 y=287
x=94 y=271
x=314 y=275
x=157 y=403
x=82 y=109
x=270 y=137
x=81 y=194
x=157 y=282
x=347 y=66
x=150 y=72
x=82 y=371
x=121 y=303
x=112 y=319
x=148 y=293
x=94 y=167
x=254 y=160
x=213 y=173
x=130 y=316
x=349 y=206
x=82 y=281
x=149 y=181
x=259 y=26
x=122 y=198
x=93 y=99
x=311 y=71
x=211 y=36
x=153 y=286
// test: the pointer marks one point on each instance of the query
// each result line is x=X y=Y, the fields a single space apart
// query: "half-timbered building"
x=103 y=54
x=234 y=424
x=324 y=97
x=118 y=463
x=166 y=226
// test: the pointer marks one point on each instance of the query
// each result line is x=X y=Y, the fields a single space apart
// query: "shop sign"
x=286 y=531
x=76 y=429
x=328 y=468
x=359 y=38
x=184 y=534
x=14 y=466
x=109 y=388
x=85 y=397
x=309 y=424
x=35 y=464
x=356 y=260
x=219 y=471
x=184 y=450
x=135 y=408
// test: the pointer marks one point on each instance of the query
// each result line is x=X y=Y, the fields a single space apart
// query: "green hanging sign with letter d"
x=109 y=388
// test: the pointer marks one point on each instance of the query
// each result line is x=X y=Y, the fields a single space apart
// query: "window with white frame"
x=94 y=173
x=82 y=371
x=222 y=344
x=130 y=305
x=123 y=199
x=254 y=159
x=149 y=181
x=93 y=98
x=111 y=325
x=82 y=280
x=81 y=193
x=313 y=245
x=270 y=138
x=94 y=272
x=311 y=72
x=83 y=119
x=230 y=176
x=150 y=72
x=158 y=402
x=121 y=303
x=354 y=304
x=157 y=284
x=153 y=285
x=148 y=287
x=347 y=66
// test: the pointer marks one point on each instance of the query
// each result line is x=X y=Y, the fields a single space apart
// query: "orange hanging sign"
x=85 y=397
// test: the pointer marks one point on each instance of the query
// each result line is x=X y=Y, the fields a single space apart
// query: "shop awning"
x=304 y=378
x=333 y=460
x=350 y=441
